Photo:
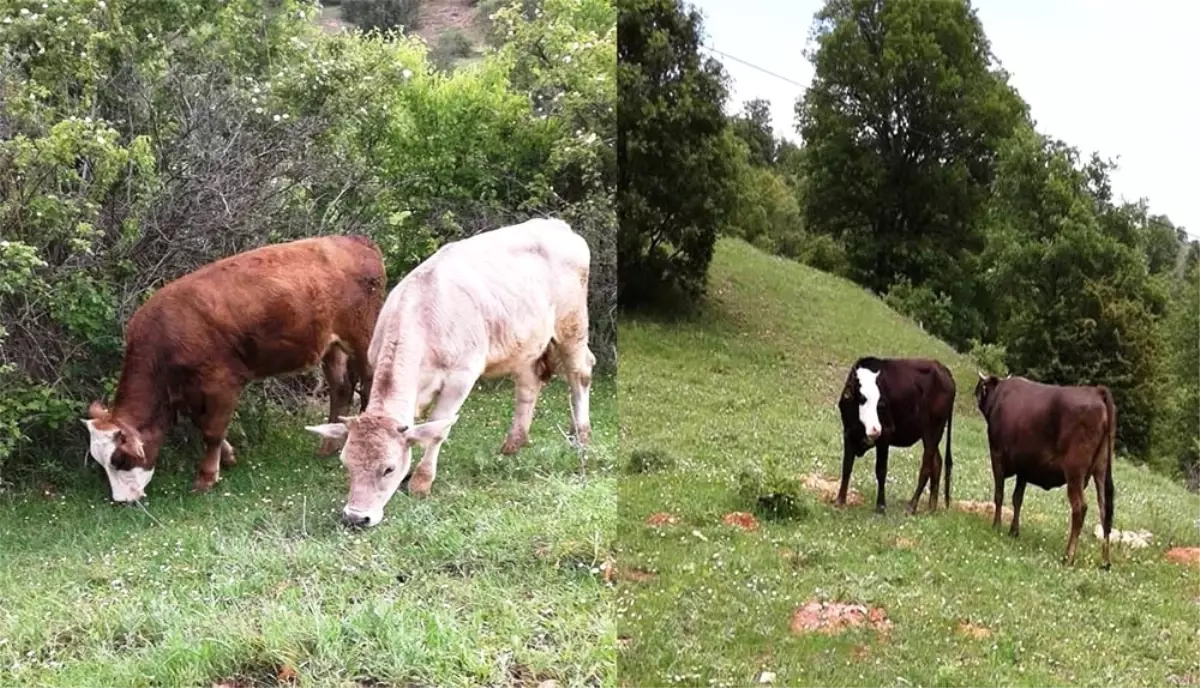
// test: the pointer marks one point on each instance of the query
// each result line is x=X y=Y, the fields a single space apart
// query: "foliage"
x=932 y=311
x=1074 y=305
x=773 y=493
x=989 y=357
x=901 y=123
x=177 y=136
x=382 y=15
x=451 y=46
x=1178 y=434
x=753 y=127
x=675 y=178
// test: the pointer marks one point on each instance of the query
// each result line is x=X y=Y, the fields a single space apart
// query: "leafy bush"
x=989 y=358
x=382 y=15
x=451 y=45
x=933 y=312
x=773 y=492
x=133 y=161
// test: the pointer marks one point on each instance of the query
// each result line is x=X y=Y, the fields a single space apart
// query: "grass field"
x=752 y=380
x=496 y=579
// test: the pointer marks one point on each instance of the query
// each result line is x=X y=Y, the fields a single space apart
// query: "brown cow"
x=896 y=402
x=1051 y=435
x=199 y=340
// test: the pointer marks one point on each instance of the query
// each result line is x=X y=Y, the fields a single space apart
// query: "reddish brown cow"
x=896 y=402
x=1051 y=435
x=199 y=340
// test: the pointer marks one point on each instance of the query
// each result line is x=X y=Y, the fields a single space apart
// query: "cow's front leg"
x=881 y=466
x=847 y=469
x=579 y=377
x=1018 y=497
x=450 y=399
x=529 y=386
x=219 y=402
x=998 y=493
x=227 y=457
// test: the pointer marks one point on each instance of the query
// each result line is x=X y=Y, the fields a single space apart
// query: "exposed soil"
x=1184 y=555
x=831 y=618
x=827 y=490
x=973 y=631
x=740 y=519
x=904 y=543
x=661 y=519
x=437 y=16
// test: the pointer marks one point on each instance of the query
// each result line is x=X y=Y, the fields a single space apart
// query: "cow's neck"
x=142 y=402
x=397 y=380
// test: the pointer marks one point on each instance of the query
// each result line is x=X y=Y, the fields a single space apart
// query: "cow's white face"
x=868 y=411
x=109 y=448
x=377 y=455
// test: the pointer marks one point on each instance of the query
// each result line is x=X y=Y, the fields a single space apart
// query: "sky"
x=1113 y=76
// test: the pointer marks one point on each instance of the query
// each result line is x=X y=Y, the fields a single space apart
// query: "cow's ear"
x=428 y=433
x=333 y=431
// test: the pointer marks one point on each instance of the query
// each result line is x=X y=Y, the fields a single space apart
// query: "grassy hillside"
x=753 y=379
x=496 y=579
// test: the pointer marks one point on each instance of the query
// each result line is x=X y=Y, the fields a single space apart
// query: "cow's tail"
x=949 y=456
x=1110 y=442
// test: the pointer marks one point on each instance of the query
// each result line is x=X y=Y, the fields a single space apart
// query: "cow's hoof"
x=227 y=457
x=880 y=509
x=513 y=444
x=1105 y=566
x=204 y=483
x=419 y=486
x=1014 y=533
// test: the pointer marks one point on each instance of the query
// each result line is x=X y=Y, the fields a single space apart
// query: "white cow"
x=499 y=304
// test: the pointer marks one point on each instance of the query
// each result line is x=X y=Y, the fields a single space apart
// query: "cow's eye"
x=389 y=470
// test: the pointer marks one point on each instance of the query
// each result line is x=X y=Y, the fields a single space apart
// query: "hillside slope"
x=752 y=380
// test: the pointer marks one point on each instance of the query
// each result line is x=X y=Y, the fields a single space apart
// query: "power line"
x=754 y=66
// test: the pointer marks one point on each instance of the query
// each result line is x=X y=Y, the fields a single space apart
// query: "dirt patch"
x=827 y=490
x=740 y=519
x=436 y=16
x=861 y=651
x=661 y=519
x=831 y=618
x=1136 y=539
x=1184 y=555
x=526 y=677
x=623 y=642
x=983 y=509
x=973 y=631
x=904 y=543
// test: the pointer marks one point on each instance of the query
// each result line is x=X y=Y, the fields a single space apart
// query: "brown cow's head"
x=377 y=454
x=119 y=448
x=984 y=389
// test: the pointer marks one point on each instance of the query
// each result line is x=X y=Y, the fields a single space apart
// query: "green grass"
x=753 y=379
x=495 y=579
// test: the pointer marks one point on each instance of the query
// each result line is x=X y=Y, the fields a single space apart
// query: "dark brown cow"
x=1050 y=436
x=199 y=340
x=897 y=402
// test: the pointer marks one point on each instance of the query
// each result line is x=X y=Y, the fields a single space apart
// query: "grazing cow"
x=894 y=402
x=199 y=340
x=1050 y=436
x=504 y=303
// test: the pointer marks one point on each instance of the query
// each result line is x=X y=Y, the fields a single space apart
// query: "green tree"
x=901 y=124
x=674 y=178
x=753 y=127
x=1074 y=303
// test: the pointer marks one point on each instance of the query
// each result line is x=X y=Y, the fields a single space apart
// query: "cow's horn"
x=981 y=375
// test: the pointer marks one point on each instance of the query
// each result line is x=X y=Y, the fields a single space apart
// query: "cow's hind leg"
x=449 y=400
x=922 y=478
x=227 y=457
x=1078 y=512
x=1100 y=476
x=341 y=390
x=219 y=404
x=577 y=360
x=529 y=386
x=881 y=466
x=1018 y=498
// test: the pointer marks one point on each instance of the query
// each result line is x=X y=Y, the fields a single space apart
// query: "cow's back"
x=266 y=311
x=1034 y=423
x=494 y=294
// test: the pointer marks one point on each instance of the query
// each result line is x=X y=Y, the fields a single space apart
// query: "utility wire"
x=754 y=66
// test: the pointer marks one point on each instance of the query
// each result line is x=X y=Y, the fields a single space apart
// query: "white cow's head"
x=868 y=408
x=377 y=454
x=120 y=450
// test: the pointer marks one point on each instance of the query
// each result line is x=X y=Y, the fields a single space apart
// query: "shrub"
x=932 y=311
x=649 y=460
x=773 y=492
x=989 y=357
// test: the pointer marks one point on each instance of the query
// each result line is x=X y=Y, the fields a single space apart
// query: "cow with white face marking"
x=509 y=302
x=895 y=403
